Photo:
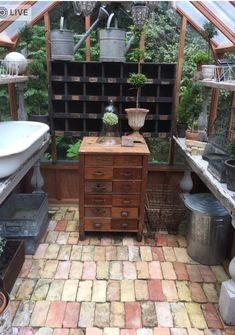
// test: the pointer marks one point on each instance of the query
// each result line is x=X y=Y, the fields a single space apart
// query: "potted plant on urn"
x=136 y=116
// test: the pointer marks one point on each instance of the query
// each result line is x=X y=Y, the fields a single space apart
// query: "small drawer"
x=118 y=224
x=130 y=200
x=128 y=160
x=98 y=173
x=126 y=187
x=98 y=160
x=98 y=187
x=125 y=213
x=96 y=200
x=97 y=211
x=97 y=224
x=127 y=173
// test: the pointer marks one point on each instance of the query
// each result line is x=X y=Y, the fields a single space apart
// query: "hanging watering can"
x=62 y=40
x=113 y=43
x=62 y=43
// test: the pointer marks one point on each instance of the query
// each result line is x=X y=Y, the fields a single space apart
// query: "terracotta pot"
x=192 y=135
x=5 y=313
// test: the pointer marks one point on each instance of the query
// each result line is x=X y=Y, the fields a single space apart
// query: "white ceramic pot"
x=208 y=72
x=15 y=63
x=5 y=317
x=136 y=118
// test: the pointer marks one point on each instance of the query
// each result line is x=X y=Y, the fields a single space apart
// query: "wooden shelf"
x=4 y=79
x=226 y=85
x=199 y=166
x=80 y=91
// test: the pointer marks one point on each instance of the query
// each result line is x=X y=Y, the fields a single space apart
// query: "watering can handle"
x=110 y=19
x=61 y=23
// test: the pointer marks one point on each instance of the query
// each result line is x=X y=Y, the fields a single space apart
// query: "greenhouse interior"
x=117 y=167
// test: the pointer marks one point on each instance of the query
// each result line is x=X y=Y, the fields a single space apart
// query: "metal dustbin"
x=209 y=229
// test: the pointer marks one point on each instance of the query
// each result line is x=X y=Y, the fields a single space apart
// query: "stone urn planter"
x=208 y=72
x=136 y=118
x=5 y=313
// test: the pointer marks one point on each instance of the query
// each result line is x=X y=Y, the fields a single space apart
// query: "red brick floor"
x=114 y=285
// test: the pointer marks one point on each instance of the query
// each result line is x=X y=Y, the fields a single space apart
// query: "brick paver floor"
x=114 y=285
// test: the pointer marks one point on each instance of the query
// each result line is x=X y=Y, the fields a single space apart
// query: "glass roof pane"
x=16 y=25
x=224 y=10
x=200 y=19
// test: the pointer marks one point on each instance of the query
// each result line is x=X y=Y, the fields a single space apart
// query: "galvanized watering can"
x=62 y=40
x=113 y=46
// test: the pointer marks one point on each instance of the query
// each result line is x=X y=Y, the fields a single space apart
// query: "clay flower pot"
x=192 y=135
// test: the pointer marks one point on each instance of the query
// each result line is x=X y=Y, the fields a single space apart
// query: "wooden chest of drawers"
x=112 y=187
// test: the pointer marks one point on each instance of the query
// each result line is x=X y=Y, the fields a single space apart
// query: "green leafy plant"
x=190 y=105
x=72 y=151
x=137 y=80
x=209 y=32
x=201 y=57
x=2 y=244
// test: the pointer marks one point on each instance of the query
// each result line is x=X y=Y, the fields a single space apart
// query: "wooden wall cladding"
x=80 y=91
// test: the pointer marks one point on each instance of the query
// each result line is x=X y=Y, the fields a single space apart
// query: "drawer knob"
x=99 y=188
x=126 y=174
x=98 y=173
x=124 y=224
x=124 y=214
x=126 y=201
x=96 y=224
x=100 y=210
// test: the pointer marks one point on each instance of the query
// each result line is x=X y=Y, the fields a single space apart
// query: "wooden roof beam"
x=215 y=20
x=25 y=4
x=225 y=48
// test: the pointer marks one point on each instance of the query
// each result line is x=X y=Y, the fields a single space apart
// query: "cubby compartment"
x=167 y=71
x=111 y=89
x=111 y=70
x=74 y=88
x=93 y=69
x=57 y=68
x=166 y=90
x=165 y=108
x=94 y=107
x=58 y=106
x=75 y=69
x=59 y=124
x=57 y=87
x=93 y=125
x=93 y=89
x=129 y=68
x=149 y=90
x=149 y=126
x=75 y=107
x=128 y=90
x=164 y=126
x=151 y=71
x=75 y=124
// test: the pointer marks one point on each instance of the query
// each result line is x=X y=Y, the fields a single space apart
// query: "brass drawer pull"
x=124 y=214
x=124 y=225
x=99 y=188
x=99 y=210
x=98 y=173
x=99 y=201
x=126 y=174
x=126 y=202
x=96 y=224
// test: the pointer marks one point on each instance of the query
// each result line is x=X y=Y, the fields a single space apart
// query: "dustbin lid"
x=205 y=203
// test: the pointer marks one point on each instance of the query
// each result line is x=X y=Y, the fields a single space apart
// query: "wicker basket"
x=164 y=209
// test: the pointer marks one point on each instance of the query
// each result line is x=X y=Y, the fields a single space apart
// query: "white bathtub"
x=18 y=141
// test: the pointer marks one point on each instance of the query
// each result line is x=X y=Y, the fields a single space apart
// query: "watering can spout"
x=129 y=44
x=103 y=14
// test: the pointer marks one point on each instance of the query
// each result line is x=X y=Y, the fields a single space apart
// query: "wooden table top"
x=90 y=145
